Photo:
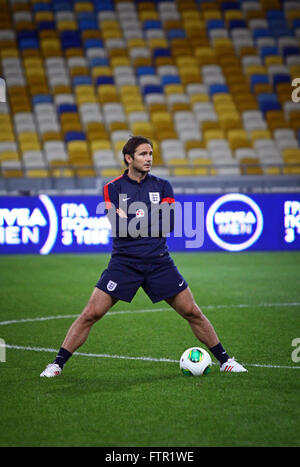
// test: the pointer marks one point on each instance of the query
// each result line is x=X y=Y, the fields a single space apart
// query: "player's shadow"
x=69 y=385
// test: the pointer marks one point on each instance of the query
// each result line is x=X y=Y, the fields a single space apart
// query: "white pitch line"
x=153 y=310
x=126 y=357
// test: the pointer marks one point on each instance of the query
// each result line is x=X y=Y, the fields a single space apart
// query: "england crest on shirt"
x=111 y=285
x=154 y=197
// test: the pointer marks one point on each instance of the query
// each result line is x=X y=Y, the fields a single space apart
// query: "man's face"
x=142 y=158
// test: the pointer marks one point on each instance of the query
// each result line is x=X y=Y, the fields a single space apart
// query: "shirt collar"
x=125 y=175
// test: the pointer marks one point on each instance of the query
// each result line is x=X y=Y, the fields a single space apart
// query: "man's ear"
x=128 y=158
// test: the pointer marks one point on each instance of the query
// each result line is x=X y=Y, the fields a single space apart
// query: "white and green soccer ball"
x=195 y=362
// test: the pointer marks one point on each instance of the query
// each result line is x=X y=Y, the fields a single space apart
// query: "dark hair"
x=133 y=143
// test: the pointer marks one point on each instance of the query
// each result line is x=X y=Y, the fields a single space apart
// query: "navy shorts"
x=159 y=278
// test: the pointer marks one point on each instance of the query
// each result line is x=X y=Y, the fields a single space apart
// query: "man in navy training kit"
x=140 y=258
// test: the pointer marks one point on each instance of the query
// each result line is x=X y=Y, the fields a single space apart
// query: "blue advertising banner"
x=77 y=224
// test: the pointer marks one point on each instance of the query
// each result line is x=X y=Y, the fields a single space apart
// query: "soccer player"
x=135 y=204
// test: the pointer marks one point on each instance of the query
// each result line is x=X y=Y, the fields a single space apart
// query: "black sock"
x=219 y=352
x=62 y=357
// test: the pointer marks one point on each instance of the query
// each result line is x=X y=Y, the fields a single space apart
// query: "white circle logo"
x=242 y=222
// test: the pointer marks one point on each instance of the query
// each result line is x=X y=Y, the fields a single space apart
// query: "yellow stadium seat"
x=143 y=128
x=260 y=134
x=295 y=170
x=202 y=161
x=9 y=155
x=66 y=25
x=100 y=144
x=212 y=13
x=101 y=71
x=37 y=173
x=238 y=138
x=62 y=172
x=110 y=173
x=250 y=166
x=291 y=155
x=83 y=7
x=158 y=43
x=150 y=14
x=182 y=171
x=199 y=98
x=107 y=93
x=174 y=89
x=273 y=60
x=43 y=16
x=133 y=107
x=165 y=133
x=256 y=70
x=161 y=117
x=213 y=134
x=179 y=162
x=7 y=134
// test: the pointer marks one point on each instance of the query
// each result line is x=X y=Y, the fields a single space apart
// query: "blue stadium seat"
x=41 y=7
x=215 y=24
x=152 y=24
x=41 y=99
x=82 y=80
x=103 y=5
x=104 y=80
x=152 y=89
x=28 y=44
x=99 y=61
x=217 y=88
x=258 y=79
x=170 y=79
x=145 y=70
x=265 y=51
x=66 y=108
x=237 y=23
x=62 y=5
x=46 y=25
x=87 y=23
x=161 y=52
x=176 y=34
x=281 y=78
x=70 y=39
x=74 y=136
x=261 y=32
x=290 y=50
x=230 y=6
x=268 y=101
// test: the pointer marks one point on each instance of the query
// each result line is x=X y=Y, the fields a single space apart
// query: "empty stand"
x=209 y=81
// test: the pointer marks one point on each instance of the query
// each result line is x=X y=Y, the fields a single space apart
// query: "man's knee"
x=192 y=312
x=92 y=312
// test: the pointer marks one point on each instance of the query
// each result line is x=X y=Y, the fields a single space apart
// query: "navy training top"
x=149 y=216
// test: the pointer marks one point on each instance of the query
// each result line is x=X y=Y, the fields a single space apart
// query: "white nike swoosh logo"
x=181 y=284
x=125 y=199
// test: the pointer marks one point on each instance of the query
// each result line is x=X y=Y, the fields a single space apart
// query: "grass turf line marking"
x=127 y=357
x=152 y=310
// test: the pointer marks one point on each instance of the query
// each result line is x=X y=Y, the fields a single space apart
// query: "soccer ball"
x=195 y=362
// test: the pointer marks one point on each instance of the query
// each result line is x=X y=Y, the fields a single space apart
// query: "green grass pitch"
x=117 y=392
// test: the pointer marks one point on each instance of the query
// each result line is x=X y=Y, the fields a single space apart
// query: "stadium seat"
x=194 y=72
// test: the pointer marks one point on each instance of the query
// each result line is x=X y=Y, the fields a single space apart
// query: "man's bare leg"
x=98 y=304
x=186 y=306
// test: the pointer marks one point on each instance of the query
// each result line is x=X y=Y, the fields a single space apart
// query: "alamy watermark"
x=296 y=92
x=137 y=220
x=296 y=353
x=2 y=350
x=2 y=90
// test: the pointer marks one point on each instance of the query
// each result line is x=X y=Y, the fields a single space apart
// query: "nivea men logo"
x=22 y=225
x=234 y=222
